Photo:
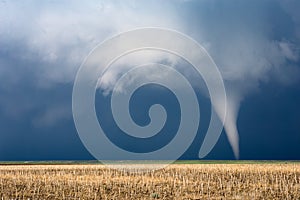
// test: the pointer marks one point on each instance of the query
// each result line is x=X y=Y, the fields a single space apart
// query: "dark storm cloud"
x=42 y=44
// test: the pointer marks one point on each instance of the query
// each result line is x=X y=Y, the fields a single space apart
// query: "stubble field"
x=177 y=181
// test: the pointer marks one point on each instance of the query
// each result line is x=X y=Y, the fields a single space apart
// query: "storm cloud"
x=42 y=45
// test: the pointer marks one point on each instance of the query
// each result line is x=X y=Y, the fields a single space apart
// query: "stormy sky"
x=255 y=44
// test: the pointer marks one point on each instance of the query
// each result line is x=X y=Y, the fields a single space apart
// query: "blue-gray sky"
x=255 y=44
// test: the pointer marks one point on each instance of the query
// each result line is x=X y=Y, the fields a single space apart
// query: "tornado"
x=230 y=123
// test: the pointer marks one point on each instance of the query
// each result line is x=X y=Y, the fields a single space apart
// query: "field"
x=177 y=181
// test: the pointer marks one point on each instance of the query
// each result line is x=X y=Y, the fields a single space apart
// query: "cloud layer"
x=45 y=42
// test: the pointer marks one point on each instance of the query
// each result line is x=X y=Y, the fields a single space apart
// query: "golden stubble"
x=177 y=181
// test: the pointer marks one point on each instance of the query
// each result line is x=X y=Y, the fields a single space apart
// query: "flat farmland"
x=177 y=181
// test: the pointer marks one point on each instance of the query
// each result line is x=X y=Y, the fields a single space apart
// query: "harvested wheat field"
x=177 y=181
